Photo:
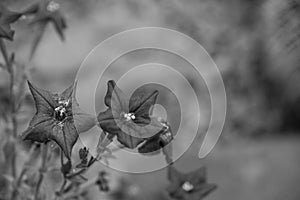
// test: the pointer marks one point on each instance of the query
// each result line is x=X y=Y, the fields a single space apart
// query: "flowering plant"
x=59 y=120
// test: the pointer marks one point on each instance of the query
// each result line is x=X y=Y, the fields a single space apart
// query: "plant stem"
x=23 y=172
x=62 y=188
x=9 y=66
x=3 y=50
x=42 y=171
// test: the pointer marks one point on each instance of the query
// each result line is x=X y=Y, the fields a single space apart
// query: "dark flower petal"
x=157 y=142
x=140 y=103
x=116 y=127
x=44 y=100
x=128 y=140
x=65 y=136
x=129 y=133
x=115 y=98
x=40 y=132
x=107 y=121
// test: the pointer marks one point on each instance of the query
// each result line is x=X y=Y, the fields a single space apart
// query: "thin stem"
x=42 y=171
x=23 y=172
x=3 y=50
x=62 y=188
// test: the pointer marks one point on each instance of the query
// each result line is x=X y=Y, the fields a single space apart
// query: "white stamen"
x=128 y=116
x=66 y=103
x=187 y=186
x=61 y=109
x=53 y=6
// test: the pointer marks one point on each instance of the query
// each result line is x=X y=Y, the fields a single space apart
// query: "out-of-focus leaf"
x=102 y=182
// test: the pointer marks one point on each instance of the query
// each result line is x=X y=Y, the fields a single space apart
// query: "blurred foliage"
x=255 y=43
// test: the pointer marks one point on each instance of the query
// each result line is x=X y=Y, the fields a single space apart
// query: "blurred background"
x=255 y=44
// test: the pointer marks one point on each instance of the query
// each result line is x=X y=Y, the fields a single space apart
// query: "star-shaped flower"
x=45 y=12
x=190 y=186
x=129 y=119
x=58 y=118
x=7 y=17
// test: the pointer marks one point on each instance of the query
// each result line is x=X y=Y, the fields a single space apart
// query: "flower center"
x=61 y=111
x=128 y=116
x=187 y=186
x=52 y=6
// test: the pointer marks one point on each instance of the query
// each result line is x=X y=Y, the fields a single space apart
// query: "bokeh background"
x=255 y=44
